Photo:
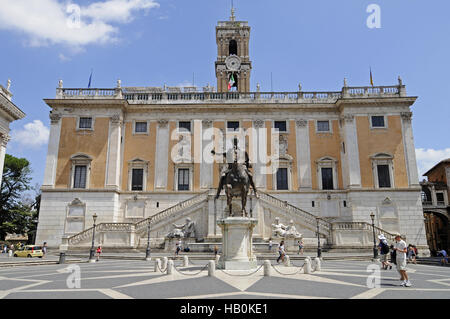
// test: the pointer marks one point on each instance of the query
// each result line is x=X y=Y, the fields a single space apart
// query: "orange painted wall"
x=216 y=172
x=324 y=144
x=92 y=143
x=139 y=146
x=372 y=141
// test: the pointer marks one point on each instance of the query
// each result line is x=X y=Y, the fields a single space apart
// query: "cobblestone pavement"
x=124 y=279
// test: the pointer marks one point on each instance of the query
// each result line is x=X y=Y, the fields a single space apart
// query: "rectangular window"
x=384 y=179
x=440 y=197
x=323 y=126
x=378 y=121
x=137 y=179
x=140 y=127
x=85 y=122
x=327 y=178
x=280 y=126
x=184 y=126
x=282 y=179
x=183 y=179
x=79 y=177
x=233 y=126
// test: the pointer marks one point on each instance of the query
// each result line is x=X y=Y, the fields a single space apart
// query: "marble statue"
x=8 y=86
x=187 y=230
x=285 y=231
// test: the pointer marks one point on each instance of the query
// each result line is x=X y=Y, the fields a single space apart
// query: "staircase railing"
x=171 y=210
x=359 y=226
x=102 y=227
x=308 y=218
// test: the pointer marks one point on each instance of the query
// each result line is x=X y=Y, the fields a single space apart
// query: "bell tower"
x=233 y=63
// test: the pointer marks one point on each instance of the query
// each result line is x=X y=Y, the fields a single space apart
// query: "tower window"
x=280 y=126
x=384 y=179
x=233 y=47
x=79 y=180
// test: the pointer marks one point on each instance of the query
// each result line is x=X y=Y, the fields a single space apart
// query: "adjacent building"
x=436 y=208
x=9 y=112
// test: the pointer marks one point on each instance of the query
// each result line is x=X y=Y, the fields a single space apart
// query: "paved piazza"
x=127 y=279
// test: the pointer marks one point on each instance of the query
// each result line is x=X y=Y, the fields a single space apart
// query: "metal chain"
x=298 y=271
x=186 y=274
x=245 y=275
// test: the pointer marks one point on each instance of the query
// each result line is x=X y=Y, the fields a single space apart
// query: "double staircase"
x=342 y=235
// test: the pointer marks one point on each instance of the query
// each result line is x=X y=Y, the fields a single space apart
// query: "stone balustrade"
x=306 y=218
x=356 y=234
x=152 y=95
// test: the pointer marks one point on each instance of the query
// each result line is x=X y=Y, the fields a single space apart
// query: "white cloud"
x=33 y=135
x=48 y=22
x=427 y=158
x=63 y=58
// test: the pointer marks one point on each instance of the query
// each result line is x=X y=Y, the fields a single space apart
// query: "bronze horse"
x=237 y=184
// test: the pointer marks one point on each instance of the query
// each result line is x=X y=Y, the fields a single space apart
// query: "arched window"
x=233 y=47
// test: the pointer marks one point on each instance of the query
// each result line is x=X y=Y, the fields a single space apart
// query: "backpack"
x=384 y=248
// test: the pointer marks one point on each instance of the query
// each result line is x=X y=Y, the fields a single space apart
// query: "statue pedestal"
x=237 y=245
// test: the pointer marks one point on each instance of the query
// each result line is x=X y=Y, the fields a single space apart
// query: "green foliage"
x=16 y=215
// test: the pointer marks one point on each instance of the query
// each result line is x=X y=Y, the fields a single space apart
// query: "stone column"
x=206 y=168
x=351 y=156
x=52 y=151
x=410 y=152
x=114 y=150
x=4 y=139
x=161 y=159
x=303 y=155
x=259 y=147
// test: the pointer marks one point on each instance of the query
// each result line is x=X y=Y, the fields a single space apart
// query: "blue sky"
x=152 y=43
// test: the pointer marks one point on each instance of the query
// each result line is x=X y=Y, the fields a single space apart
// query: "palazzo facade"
x=139 y=155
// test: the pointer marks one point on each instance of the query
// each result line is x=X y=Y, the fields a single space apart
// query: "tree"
x=15 y=214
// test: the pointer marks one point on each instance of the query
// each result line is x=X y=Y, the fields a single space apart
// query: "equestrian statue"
x=236 y=177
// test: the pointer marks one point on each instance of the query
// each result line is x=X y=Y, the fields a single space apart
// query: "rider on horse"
x=239 y=157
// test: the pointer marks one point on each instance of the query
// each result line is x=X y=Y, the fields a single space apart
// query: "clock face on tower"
x=233 y=63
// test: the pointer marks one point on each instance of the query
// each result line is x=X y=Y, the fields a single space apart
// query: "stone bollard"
x=318 y=264
x=307 y=266
x=217 y=259
x=164 y=262
x=267 y=269
x=211 y=268
x=158 y=265
x=287 y=261
x=169 y=270
x=62 y=258
x=185 y=261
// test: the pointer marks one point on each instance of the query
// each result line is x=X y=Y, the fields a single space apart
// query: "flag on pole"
x=90 y=79
x=371 y=78
x=231 y=83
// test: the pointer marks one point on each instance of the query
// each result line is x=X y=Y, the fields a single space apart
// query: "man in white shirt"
x=400 y=247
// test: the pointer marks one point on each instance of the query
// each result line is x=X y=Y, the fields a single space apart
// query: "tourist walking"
x=401 y=249
x=270 y=244
x=216 y=250
x=444 y=259
x=300 y=246
x=281 y=252
x=44 y=249
x=177 y=247
x=384 y=249
x=11 y=250
x=411 y=253
x=98 y=252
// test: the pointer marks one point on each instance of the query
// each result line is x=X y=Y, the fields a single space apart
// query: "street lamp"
x=375 y=250
x=319 y=250
x=92 y=253
x=147 y=251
